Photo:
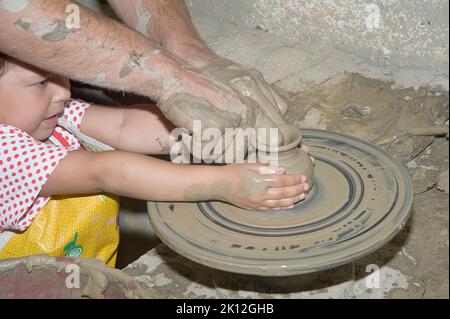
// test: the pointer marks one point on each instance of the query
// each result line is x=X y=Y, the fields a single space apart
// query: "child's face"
x=31 y=99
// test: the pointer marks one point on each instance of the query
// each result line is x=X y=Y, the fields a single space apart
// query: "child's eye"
x=42 y=84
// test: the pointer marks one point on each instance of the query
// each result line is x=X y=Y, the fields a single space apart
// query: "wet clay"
x=289 y=156
x=361 y=198
x=132 y=61
x=143 y=17
x=24 y=23
x=14 y=6
x=51 y=31
x=182 y=109
x=99 y=275
x=365 y=108
x=250 y=83
x=400 y=120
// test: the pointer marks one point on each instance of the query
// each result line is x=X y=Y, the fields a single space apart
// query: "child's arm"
x=135 y=128
x=251 y=186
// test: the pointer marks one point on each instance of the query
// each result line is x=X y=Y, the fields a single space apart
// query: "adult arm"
x=104 y=53
x=168 y=23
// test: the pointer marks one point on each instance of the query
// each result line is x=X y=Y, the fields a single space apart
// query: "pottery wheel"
x=361 y=198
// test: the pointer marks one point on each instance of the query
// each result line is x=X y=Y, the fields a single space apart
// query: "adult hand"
x=251 y=83
x=192 y=95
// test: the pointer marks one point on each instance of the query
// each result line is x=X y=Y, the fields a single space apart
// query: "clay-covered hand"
x=262 y=187
x=237 y=100
x=192 y=95
x=251 y=83
x=182 y=109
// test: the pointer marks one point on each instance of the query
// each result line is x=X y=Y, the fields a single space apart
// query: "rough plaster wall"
x=300 y=43
x=385 y=33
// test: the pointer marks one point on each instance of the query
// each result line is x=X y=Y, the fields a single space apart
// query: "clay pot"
x=289 y=156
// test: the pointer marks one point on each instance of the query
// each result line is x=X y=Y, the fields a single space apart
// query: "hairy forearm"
x=167 y=21
x=169 y=24
x=101 y=52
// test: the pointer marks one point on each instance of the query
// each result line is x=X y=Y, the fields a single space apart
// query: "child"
x=45 y=172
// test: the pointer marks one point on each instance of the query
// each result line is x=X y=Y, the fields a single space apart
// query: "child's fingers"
x=285 y=180
x=286 y=202
x=283 y=208
x=271 y=170
x=265 y=209
x=287 y=192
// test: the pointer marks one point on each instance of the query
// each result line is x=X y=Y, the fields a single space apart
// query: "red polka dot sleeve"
x=25 y=165
x=71 y=121
x=73 y=115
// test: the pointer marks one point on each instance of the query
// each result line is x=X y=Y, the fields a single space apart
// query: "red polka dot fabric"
x=74 y=112
x=25 y=166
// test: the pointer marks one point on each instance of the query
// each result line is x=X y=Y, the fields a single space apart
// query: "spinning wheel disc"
x=361 y=198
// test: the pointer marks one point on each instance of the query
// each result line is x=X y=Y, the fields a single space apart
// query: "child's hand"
x=263 y=187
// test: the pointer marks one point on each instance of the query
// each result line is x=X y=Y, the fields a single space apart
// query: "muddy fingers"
x=286 y=180
x=262 y=187
x=287 y=192
x=285 y=202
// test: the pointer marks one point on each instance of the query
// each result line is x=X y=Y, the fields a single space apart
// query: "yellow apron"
x=72 y=227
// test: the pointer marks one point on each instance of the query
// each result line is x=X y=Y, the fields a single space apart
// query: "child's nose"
x=63 y=91
x=65 y=94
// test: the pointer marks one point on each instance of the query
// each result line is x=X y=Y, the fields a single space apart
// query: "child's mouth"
x=51 y=121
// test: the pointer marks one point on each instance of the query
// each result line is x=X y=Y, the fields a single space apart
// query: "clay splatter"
x=14 y=6
x=101 y=77
x=132 y=61
x=24 y=23
x=143 y=17
x=51 y=31
x=171 y=82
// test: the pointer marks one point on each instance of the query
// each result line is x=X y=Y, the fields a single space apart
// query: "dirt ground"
x=391 y=119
